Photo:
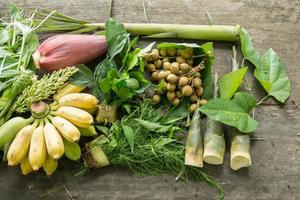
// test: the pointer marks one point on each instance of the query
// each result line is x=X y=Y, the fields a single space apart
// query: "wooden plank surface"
x=275 y=174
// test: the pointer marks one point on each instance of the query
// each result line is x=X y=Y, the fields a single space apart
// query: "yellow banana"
x=37 y=150
x=83 y=101
x=68 y=89
x=54 y=141
x=25 y=166
x=77 y=116
x=66 y=128
x=50 y=165
x=20 y=145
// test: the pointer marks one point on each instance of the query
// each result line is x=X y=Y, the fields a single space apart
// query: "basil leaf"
x=83 y=77
x=113 y=28
x=248 y=50
x=104 y=85
x=230 y=82
x=271 y=75
x=117 y=45
x=245 y=101
x=101 y=72
x=129 y=134
x=230 y=113
x=206 y=73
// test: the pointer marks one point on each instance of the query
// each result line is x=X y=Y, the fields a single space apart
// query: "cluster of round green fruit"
x=173 y=68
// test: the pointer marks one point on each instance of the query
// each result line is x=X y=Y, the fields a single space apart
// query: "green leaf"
x=101 y=72
x=230 y=113
x=151 y=126
x=129 y=136
x=177 y=45
x=103 y=129
x=147 y=48
x=271 y=75
x=113 y=28
x=206 y=73
x=248 y=50
x=4 y=36
x=105 y=85
x=230 y=82
x=117 y=45
x=245 y=101
x=83 y=77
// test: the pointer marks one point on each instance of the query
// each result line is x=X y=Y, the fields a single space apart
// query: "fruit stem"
x=39 y=110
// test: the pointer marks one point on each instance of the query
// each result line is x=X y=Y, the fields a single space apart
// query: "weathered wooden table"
x=275 y=174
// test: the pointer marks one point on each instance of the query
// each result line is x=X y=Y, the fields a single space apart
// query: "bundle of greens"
x=119 y=77
x=18 y=40
x=140 y=142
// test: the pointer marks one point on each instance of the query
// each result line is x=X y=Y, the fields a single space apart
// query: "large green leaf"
x=248 y=50
x=230 y=82
x=206 y=73
x=83 y=77
x=271 y=75
x=231 y=112
x=245 y=101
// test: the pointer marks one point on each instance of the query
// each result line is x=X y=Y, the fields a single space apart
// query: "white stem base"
x=214 y=143
x=240 y=152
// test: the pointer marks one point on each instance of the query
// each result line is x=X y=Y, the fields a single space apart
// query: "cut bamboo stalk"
x=214 y=142
x=194 y=146
x=240 y=151
x=240 y=144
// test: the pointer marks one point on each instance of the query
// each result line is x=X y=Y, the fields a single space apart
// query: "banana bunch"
x=51 y=132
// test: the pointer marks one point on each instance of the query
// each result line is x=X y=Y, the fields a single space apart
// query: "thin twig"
x=110 y=8
x=262 y=100
x=210 y=21
x=145 y=11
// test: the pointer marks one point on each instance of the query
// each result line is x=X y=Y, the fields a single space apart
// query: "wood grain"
x=275 y=174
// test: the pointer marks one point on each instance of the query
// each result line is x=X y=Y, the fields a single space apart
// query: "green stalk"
x=196 y=32
x=60 y=22
x=240 y=143
x=214 y=142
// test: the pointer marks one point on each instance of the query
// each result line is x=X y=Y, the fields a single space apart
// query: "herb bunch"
x=154 y=152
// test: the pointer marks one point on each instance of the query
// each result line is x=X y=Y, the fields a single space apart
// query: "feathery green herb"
x=154 y=152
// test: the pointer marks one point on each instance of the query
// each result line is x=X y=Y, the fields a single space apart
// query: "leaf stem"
x=262 y=100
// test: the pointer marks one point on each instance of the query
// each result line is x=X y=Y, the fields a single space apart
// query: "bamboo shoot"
x=214 y=142
x=194 y=146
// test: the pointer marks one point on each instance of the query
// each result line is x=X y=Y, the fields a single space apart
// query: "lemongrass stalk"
x=240 y=144
x=182 y=31
x=60 y=22
x=214 y=142
x=194 y=146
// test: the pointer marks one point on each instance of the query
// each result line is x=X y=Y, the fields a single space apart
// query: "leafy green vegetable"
x=230 y=82
x=271 y=75
x=206 y=73
x=232 y=112
x=119 y=77
x=83 y=77
x=248 y=50
x=269 y=68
